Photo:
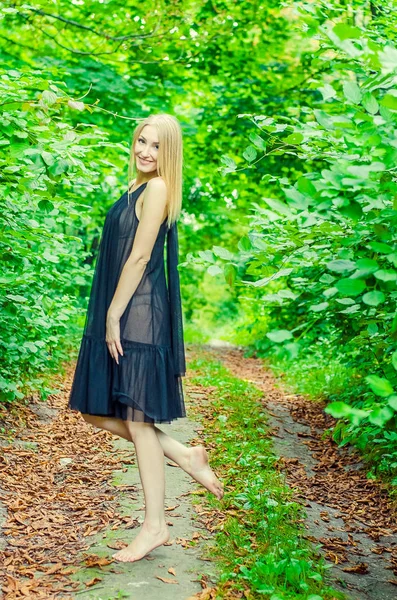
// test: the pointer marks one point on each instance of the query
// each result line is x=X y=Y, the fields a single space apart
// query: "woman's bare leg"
x=154 y=531
x=193 y=460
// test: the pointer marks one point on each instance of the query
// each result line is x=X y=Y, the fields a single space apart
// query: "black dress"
x=146 y=385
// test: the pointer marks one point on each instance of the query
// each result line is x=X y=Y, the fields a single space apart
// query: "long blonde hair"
x=169 y=159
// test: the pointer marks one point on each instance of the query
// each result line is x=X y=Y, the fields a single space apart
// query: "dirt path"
x=70 y=496
x=349 y=515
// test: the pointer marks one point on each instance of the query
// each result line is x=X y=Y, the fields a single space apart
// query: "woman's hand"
x=113 y=337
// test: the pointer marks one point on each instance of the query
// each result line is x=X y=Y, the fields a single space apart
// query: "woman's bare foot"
x=147 y=539
x=200 y=470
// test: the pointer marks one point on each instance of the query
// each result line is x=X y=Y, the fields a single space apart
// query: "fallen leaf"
x=166 y=579
x=93 y=581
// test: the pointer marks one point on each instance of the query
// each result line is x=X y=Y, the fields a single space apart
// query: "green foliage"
x=70 y=97
x=322 y=240
x=47 y=165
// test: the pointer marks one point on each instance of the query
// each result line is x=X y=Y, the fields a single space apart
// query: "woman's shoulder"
x=157 y=183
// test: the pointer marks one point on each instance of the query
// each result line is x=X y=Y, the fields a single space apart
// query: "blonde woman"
x=131 y=361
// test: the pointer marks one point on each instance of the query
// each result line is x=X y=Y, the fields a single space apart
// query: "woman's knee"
x=135 y=428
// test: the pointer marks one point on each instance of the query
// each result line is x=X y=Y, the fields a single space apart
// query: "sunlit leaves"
x=370 y=103
x=352 y=92
x=379 y=385
x=229 y=163
x=374 y=298
x=250 y=153
x=279 y=336
x=258 y=141
x=340 y=265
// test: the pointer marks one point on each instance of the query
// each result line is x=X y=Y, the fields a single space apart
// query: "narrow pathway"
x=70 y=495
x=172 y=571
x=351 y=517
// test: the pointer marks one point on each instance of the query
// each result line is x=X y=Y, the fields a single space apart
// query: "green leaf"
x=76 y=105
x=319 y=307
x=389 y=101
x=250 y=153
x=351 y=309
x=352 y=92
x=230 y=274
x=370 y=103
x=258 y=141
x=48 y=97
x=214 y=270
x=229 y=162
x=345 y=301
x=206 y=255
x=386 y=275
x=367 y=265
x=279 y=335
x=374 y=298
x=244 y=244
x=328 y=293
x=46 y=205
x=392 y=401
x=363 y=171
x=379 y=416
x=380 y=386
x=324 y=119
x=350 y=287
x=50 y=257
x=380 y=247
x=16 y=298
x=338 y=409
x=48 y=158
x=305 y=186
x=372 y=328
x=223 y=252
x=278 y=206
x=341 y=265
x=327 y=91
x=347 y=32
x=294 y=138
x=30 y=346
x=394 y=359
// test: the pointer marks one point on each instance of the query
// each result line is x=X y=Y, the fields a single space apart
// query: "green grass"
x=259 y=545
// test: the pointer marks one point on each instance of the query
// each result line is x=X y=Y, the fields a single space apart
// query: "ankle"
x=155 y=527
x=186 y=463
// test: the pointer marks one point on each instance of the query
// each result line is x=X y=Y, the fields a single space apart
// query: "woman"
x=131 y=360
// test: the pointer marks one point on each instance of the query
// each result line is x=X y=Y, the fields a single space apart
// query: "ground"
x=70 y=496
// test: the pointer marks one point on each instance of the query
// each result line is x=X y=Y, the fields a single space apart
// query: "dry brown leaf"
x=360 y=568
x=97 y=561
x=93 y=581
x=166 y=579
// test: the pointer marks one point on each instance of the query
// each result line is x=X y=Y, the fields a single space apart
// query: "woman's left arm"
x=145 y=237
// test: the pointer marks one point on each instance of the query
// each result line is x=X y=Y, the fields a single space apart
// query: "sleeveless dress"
x=146 y=385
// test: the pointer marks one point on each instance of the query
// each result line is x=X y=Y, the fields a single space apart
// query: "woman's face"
x=146 y=149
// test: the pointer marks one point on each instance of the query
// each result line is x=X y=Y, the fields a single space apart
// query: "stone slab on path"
x=138 y=581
